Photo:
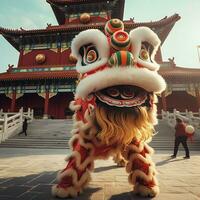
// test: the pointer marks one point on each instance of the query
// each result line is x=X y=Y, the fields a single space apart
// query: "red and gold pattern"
x=86 y=147
x=141 y=169
x=76 y=175
x=114 y=108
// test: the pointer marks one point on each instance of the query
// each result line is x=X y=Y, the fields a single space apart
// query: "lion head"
x=118 y=71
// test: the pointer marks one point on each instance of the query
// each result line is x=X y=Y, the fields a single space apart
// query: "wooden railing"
x=11 y=123
x=192 y=118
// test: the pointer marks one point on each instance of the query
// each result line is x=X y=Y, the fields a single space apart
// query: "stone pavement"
x=27 y=174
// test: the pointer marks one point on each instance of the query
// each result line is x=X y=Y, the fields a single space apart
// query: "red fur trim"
x=73 y=178
x=84 y=106
x=142 y=178
x=73 y=141
x=134 y=159
x=133 y=148
x=95 y=70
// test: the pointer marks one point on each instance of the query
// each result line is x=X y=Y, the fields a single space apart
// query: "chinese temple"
x=45 y=77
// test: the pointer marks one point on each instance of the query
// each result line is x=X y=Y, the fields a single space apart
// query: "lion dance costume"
x=114 y=107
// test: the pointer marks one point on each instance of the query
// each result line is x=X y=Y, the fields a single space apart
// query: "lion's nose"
x=120 y=43
x=121 y=58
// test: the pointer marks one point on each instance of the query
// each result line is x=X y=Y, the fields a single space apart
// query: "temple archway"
x=33 y=101
x=59 y=105
x=5 y=102
x=181 y=100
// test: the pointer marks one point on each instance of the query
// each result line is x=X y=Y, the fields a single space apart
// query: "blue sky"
x=181 y=43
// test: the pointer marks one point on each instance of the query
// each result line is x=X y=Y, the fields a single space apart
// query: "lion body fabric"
x=114 y=107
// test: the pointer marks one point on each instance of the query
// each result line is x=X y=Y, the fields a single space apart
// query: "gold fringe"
x=122 y=126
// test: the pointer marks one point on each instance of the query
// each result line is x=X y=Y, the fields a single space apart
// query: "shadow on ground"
x=106 y=168
x=38 y=187
x=167 y=161
x=128 y=196
x=35 y=187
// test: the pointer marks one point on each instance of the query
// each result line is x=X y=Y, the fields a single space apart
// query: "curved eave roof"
x=61 y=28
x=71 y=74
x=152 y=24
x=167 y=23
x=128 y=25
x=180 y=74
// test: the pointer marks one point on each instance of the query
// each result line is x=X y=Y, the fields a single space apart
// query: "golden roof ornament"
x=85 y=18
x=40 y=58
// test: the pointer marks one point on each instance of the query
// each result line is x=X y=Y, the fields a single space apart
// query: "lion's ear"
x=91 y=48
x=145 y=44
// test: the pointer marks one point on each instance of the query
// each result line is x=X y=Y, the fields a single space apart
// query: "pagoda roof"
x=152 y=24
x=176 y=74
x=9 y=76
x=59 y=11
x=162 y=27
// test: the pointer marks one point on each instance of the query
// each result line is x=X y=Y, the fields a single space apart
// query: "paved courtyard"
x=29 y=173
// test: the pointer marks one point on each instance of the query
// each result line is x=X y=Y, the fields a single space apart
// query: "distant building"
x=45 y=77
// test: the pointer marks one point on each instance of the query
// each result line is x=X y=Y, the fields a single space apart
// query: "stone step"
x=156 y=148
x=34 y=146
x=35 y=143
x=55 y=134
x=38 y=140
x=66 y=141
x=64 y=144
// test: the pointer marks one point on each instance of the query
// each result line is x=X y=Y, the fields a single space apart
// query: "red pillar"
x=197 y=97
x=46 y=105
x=13 y=102
x=164 y=102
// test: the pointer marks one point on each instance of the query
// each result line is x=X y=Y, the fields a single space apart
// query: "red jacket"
x=180 y=129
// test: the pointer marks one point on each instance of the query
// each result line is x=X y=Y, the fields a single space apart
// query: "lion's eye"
x=144 y=54
x=91 y=56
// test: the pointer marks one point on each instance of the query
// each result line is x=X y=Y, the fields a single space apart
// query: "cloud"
x=27 y=14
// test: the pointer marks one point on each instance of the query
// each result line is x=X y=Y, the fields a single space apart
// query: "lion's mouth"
x=122 y=96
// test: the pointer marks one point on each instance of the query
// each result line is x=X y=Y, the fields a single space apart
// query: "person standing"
x=24 y=127
x=180 y=137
